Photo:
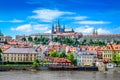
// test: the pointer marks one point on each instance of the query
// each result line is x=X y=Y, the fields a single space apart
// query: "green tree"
x=30 y=39
x=54 y=54
x=35 y=39
x=56 y=39
x=36 y=63
x=0 y=54
x=91 y=42
x=71 y=58
x=62 y=54
x=23 y=39
x=75 y=62
x=84 y=42
x=116 y=59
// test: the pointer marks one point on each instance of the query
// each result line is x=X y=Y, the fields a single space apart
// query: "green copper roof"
x=1 y=34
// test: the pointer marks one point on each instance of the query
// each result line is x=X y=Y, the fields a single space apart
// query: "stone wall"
x=7 y=68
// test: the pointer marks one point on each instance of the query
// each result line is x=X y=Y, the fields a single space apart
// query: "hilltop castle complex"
x=69 y=32
x=56 y=31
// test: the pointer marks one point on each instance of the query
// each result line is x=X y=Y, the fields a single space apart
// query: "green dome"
x=1 y=34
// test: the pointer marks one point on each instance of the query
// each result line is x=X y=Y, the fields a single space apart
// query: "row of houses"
x=18 y=51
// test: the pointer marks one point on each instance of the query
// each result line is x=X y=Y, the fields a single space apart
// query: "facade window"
x=30 y=58
x=14 y=58
x=4 y=58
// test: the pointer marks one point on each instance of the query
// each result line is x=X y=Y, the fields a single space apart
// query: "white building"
x=85 y=58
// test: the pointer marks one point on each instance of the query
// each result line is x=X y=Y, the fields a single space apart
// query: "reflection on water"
x=58 y=75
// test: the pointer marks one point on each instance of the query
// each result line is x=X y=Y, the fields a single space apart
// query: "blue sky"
x=36 y=16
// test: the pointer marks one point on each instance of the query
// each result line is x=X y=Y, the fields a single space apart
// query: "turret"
x=52 y=31
x=58 y=27
x=94 y=32
x=64 y=28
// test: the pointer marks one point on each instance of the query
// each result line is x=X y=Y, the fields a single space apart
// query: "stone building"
x=107 y=38
x=19 y=55
x=55 y=31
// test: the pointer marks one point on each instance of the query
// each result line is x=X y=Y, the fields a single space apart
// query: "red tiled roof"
x=5 y=47
x=57 y=60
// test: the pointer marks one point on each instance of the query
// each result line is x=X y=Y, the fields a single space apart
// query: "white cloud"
x=89 y=29
x=92 y=22
x=49 y=31
x=103 y=31
x=31 y=27
x=85 y=29
x=23 y=28
x=48 y=15
x=80 y=17
x=15 y=21
x=77 y=17
x=40 y=27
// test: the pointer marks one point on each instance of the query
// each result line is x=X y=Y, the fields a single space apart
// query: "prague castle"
x=55 y=31
x=62 y=31
x=58 y=29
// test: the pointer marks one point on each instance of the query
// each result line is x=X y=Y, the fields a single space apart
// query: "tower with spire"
x=58 y=28
x=63 y=28
x=52 y=31
x=95 y=33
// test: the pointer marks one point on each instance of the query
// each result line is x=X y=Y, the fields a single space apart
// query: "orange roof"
x=61 y=60
x=57 y=60
x=5 y=47
x=106 y=60
x=109 y=47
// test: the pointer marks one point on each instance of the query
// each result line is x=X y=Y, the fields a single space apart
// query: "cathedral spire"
x=58 y=28
x=52 y=31
x=64 y=28
x=94 y=32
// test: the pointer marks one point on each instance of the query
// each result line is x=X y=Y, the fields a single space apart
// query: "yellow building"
x=19 y=55
x=109 y=51
x=107 y=54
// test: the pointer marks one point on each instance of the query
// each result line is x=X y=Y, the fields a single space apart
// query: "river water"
x=58 y=75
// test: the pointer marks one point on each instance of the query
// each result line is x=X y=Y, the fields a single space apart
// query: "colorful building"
x=19 y=55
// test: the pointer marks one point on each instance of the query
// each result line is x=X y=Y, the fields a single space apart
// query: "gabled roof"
x=21 y=50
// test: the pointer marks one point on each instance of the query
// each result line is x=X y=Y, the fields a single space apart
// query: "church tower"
x=64 y=28
x=94 y=32
x=52 y=31
x=58 y=28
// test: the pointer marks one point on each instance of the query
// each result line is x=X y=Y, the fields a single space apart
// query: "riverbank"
x=29 y=68
x=44 y=68
x=8 y=68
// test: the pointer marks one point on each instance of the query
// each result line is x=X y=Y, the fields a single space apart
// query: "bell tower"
x=58 y=28
x=52 y=31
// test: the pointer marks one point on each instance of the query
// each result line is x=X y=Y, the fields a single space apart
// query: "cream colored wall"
x=19 y=57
